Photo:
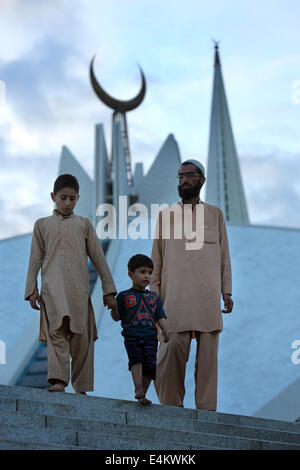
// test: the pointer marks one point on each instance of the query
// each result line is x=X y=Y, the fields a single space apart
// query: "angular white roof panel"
x=159 y=185
x=18 y=322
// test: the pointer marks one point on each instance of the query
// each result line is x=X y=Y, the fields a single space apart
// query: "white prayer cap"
x=197 y=164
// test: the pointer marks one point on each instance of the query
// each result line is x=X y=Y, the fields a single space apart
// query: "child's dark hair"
x=139 y=261
x=66 y=181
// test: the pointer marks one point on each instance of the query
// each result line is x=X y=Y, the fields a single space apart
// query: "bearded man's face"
x=190 y=182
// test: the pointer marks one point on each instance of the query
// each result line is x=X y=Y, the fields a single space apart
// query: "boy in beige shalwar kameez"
x=60 y=246
x=190 y=283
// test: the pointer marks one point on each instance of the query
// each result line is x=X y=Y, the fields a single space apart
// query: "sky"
x=46 y=100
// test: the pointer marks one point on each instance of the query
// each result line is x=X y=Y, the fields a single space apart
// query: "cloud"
x=34 y=79
x=272 y=188
x=25 y=182
x=22 y=24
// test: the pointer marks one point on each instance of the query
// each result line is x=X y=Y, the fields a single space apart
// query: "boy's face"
x=141 y=277
x=65 y=200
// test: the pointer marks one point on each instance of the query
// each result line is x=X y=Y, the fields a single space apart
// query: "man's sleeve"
x=226 y=279
x=96 y=255
x=37 y=252
x=156 y=257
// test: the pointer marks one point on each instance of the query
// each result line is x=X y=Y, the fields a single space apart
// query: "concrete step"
x=42 y=352
x=92 y=404
x=89 y=431
x=21 y=445
x=35 y=373
x=86 y=418
x=35 y=380
x=37 y=438
x=66 y=420
x=18 y=430
x=37 y=367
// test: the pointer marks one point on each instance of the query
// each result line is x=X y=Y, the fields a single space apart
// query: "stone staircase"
x=36 y=419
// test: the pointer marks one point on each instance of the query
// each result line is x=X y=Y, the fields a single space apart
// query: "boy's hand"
x=115 y=314
x=110 y=302
x=165 y=335
x=164 y=329
x=34 y=299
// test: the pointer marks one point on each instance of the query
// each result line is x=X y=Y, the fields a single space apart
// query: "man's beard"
x=189 y=192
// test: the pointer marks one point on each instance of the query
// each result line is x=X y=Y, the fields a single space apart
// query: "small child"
x=61 y=245
x=139 y=310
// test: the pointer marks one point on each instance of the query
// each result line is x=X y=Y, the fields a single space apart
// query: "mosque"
x=259 y=364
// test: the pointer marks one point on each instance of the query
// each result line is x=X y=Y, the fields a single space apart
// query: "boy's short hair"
x=138 y=261
x=66 y=181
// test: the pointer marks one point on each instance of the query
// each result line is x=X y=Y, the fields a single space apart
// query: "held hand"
x=34 y=299
x=165 y=335
x=109 y=301
x=115 y=314
x=228 y=303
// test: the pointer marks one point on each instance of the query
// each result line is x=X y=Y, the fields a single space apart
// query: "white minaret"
x=224 y=186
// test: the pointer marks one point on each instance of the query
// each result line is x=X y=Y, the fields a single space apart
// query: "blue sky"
x=46 y=47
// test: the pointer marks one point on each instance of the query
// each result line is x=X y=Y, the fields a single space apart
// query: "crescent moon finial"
x=117 y=105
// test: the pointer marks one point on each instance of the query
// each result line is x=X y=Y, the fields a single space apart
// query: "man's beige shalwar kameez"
x=190 y=283
x=60 y=247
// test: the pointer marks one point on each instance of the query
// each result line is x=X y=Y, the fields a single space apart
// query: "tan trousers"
x=171 y=365
x=61 y=344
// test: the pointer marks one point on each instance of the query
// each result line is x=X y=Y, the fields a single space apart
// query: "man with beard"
x=190 y=283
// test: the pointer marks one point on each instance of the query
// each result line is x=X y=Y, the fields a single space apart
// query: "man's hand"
x=34 y=299
x=110 y=302
x=228 y=303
